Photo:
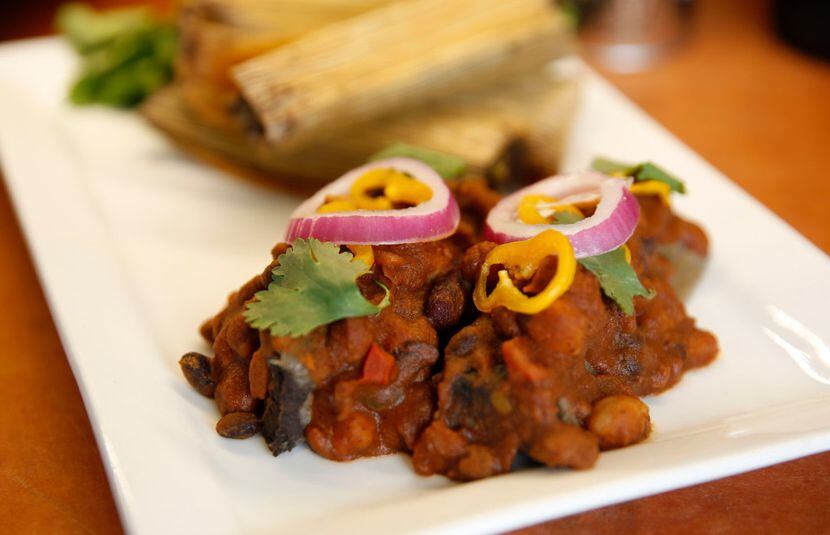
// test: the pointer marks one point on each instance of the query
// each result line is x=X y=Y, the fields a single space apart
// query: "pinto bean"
x=619 y=421
x=437 y=449
x=232 y=392
x=473 y=259
x=258 y=375
x=243 y=339
x=701 y=348
x=353 y=435
x=238 y=425
x=569 y=446
x=206 y=330
x=478 y=463
x=196 y=369
x=445 y=303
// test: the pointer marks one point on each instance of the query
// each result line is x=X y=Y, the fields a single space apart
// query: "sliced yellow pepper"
x=337 y=205
x=374 y=181
x=528 y=211
x=652 y=187
x=379 y=189
x=523 y=258
x=404 y=189
x=627 y=252
x=364 y=253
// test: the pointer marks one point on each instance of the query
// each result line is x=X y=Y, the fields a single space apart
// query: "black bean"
x=445 y=303
x=196 y=369
x=415 y=361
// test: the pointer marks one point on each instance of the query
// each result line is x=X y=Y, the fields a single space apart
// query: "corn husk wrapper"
x=396 y=57
x=528 y=118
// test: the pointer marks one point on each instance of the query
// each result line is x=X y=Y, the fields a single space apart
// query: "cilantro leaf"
x=617 y=278
x=446 y=165
x=314 y=284
x=640 y=172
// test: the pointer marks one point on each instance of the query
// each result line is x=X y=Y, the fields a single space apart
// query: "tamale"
x=291 y=16
x=394 y=57
x=217 y=34
x=482 y=128
x=481 y=140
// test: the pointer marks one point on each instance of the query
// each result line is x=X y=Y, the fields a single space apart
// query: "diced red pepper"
x=519 y=365
x=379 y=367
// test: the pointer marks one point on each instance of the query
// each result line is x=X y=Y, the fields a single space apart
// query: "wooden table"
x=754 y=108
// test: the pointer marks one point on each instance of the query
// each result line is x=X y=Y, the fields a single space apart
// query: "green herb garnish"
x=617 y=278
x=562 y=217
x=446 y=165
x=126 y=53
x=640 y=172
x=314 y=284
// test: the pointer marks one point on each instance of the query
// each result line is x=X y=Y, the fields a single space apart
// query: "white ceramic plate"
x=136 y=244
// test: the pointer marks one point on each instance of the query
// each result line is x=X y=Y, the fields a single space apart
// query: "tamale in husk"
x=394 y=57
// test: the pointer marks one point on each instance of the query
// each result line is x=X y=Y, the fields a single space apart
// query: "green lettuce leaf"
x=617 y=278
x=314 y=284
x=446 y=165
x=640 y=172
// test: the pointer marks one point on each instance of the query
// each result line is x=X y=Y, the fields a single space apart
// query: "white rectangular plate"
x=136 y=244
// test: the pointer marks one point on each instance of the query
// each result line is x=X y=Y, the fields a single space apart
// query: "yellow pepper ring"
x=374 y=180
x=394 y=187
x=364 y=253
x=524 y=257
x=337 y=205
x=403 y=189
x=627 y=252
x=379 y=189
x=652 y=187
x=528 y=211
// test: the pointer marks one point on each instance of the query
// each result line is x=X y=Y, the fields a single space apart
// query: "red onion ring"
x=609 y=227
x=431 y=220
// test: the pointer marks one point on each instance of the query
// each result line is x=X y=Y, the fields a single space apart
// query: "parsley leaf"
x=617 y=278
x=314 y=284
x=446 y=165
x=640 y=172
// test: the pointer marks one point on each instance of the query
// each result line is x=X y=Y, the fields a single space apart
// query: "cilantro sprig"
x=639 y=171
x=617 y=278
x=314 y=284
x=126 y=53
x=446 y=165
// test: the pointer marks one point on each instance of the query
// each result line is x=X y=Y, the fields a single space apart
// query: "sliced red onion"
x=611 y=225
x=431 y=220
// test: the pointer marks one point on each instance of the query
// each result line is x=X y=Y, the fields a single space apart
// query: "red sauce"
x=471 y=394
